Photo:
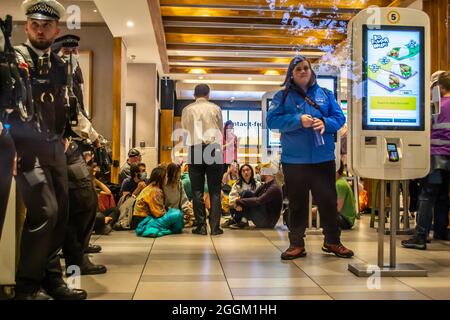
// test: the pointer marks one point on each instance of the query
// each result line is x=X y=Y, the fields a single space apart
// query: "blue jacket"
x=297 y=143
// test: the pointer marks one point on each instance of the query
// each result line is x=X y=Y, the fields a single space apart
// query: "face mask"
x=75 y=59
x=143 y=175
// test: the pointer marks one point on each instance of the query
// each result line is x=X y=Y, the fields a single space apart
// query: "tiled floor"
x=245 y=264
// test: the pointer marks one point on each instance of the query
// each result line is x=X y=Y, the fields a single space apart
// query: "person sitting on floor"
x=175 y=196
x=150 y=216
x=134 y=156
x=107 y=213
x=263 y=207
x=246 y=182
x=186 y=181
x=229 y=179
x=136 y=182
x=345 y=201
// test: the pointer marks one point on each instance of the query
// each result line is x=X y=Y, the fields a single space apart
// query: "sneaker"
x=338 y=249
x=415 y=243
x=293 y=253
x=228 y=223
x=239 y=225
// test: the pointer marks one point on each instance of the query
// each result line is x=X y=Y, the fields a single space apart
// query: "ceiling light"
x=271 y=73
x=95 y=10
x=261 y=82
x=197 y=71
x=250 y=78
x=200 y=77
x=130 y=24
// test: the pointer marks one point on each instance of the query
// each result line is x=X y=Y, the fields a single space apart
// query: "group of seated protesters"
x=162 y=203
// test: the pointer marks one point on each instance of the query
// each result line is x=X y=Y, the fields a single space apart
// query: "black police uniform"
x=42 y=174
x=6 y=170
x=78 y=82
x=6 y=159
x=83 y=199
x=83 y=203
x=10 y=95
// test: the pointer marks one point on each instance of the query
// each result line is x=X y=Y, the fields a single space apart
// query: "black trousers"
x=343 y=223
x=99 y=224
x=206 y=160
x=135 y=222
x=44 y=188
x=320 y=179
x=83 y=203
x=7 y=152
x=257 y=214
x=82 y=211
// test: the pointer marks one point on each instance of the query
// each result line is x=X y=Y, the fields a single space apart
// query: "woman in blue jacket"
x=308 y=117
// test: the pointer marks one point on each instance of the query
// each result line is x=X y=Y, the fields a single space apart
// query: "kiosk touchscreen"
x=389 y=98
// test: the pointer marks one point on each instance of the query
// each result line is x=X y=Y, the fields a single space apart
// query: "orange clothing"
x=150 y=202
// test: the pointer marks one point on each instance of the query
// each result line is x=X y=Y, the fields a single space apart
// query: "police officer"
x=83 y=200
x=41 y=163
x=6 y=142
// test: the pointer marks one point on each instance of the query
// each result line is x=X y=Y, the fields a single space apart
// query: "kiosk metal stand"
x=406 y=229
x=392 y=269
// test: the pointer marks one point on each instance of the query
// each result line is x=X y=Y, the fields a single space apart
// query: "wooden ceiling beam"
x=323 y=34
x=245 y=40
x=228 y=70
x=338 y=26
x=257 y=4
x=155 y=13
x=232 y=48
x=247 y=20
x=227 y=58
x=401 y=3
x=239 y=13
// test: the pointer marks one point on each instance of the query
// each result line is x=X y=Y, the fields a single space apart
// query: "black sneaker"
x=228 y=223
x=240 y=225
x=415 y=243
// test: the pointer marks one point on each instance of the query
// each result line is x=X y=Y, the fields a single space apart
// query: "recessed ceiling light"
x=95 y=10
x=271 y=73
x=250 y=78
x=130 y=24
x=197 y=71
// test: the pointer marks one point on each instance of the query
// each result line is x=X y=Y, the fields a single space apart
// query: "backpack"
x=126 y=207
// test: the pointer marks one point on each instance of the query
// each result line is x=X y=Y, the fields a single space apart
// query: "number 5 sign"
x=393 y=17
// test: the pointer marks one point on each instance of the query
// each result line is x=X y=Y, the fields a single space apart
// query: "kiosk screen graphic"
x=393 y=72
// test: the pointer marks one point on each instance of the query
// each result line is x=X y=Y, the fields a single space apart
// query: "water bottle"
x=318 y=138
